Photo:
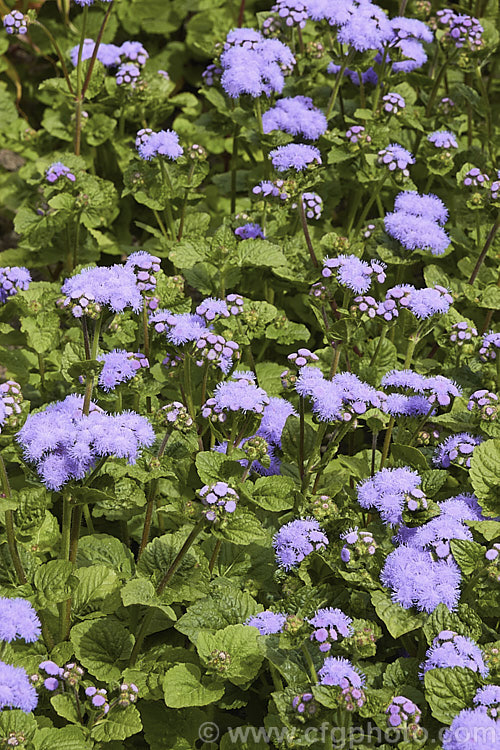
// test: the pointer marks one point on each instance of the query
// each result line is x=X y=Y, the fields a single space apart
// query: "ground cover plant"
x=249 y=375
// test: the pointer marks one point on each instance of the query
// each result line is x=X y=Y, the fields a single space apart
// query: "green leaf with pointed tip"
x=397 y=620
x=117 y=725
x=182 y=687
x=102 y=646
x=449 y=691
x=239 y=642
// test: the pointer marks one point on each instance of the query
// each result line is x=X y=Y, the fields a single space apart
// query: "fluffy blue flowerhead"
x=340 y=672
x=484 y=403
x=489 y=697
x=212 y=308
x=18 y=619
x=354 y=273
x=120 y=366
x=295 y=115
x=472 y=729
x=462 y=31
x=402 y=711
x=296 y=156
x=16 y=691
x=329 y=624
x=297 y=539
x=416 y=580
x=108 y=54
x=145 y=266
x=127 y=73
x=276 y=412
x=462 y=507
x=367 y=27
x=391 y=491
x=93 y=288
x=449 y=649
x=134 y=51
x=13 y=279
x=426 y=205
x=396 y=159
x=237 y=394
x=64 y=443
x=416 y=232
x=250 y=231
x=218 y=499
x=267 y=622
x=164 y=143
x=442 y=139
x=435 y=535
x=56 y=170
x=293 y=12
x=256 y=69
x=411 y=28
x=216 y=350
x=393 y=103
x=456 y=450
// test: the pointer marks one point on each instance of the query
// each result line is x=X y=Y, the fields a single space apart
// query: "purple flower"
x=297 y=539
x=238 y=394
x=442 y=139
x=107 y=54
x=489 y=697
x=462 y=507
x=472 y=729
x=416 y=232
x=16 y=690
x=426 y=205
x=274 y=468
x=456 y=450
x=435 y=535
x=461 y=30
x=354 y=273
x=296 y=156
x=256 y=69
x=13 y=279
x=329 y=624
x=295 y=115
x=18 y=619
x=402 y=710
x=367 y=77
x=393 y=103
x=216 y=350
x=51 y=668
x=390 y=491
x=416 y=580
x=274 y=189
x=127 y=73
x=88 y=2
x=395 y=157
x=293 y=12
x=276 y=412
x=462 y=332
x=367 y=28
x=340 y=672
x=267 y=622
x=114 y=287
x=15 y=22
x=219 y=499
x=212 y=308
x=357 y=134
x=484 y=403
x=449 y=649
x=64 y=443
x=490 y=342
x=250 y=231
x=164 y=143
x=411 y=28
x=243 y=37
x=134 y=51
x=120 y=366
x=211 y=74
x=145 y=266
x=57 y=170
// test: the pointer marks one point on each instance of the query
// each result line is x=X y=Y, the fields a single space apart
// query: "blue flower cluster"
x=417 y=222
x=13 y=279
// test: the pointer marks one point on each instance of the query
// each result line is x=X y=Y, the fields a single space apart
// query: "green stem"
x=258 y=115
x=380 y=79
x=58 y=53
x=373 y=197
x=88 y=519
x=420 y=425
x=484 y=251
x=305 y=229
x=215 y=554
x=93 y=355
x=76 y=246
x=141 y=634
x=184 y=203
x=383 y=334
x=96 y=49
x=435 y=88
x=387 y=442
x=301 y=436
x=151 y=497
x=234 y=162
x=79 y=94
x=338 y=81
x=189 y=386
x=310 y=663
x=168 y=208
x=9 y=526
x=160 y=223
x=76 y=518
x=487 y=109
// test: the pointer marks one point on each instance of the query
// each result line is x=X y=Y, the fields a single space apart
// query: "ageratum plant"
x=249 y=375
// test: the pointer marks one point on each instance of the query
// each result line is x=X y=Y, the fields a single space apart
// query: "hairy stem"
x=151 y=497
x=305 y=229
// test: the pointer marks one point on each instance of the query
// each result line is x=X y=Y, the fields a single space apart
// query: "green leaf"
x=105 y=549
x=240 y=643
x=488 y=529
x=64 y=705
x=467 y=554
x=243 y=527
x=407 y=455
x=485 y=475
x=274 y=493
x=66 y=738
x=397 y=620
x=54 y=582
x=142 y=591
x=212 y=467
x=226 y=605
x=102 y=646
x=182 y=687
x=118 y=725
x=465 y=622
x=17 y=721
x=449 y=691
x=259 y=253
x=97 y=590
